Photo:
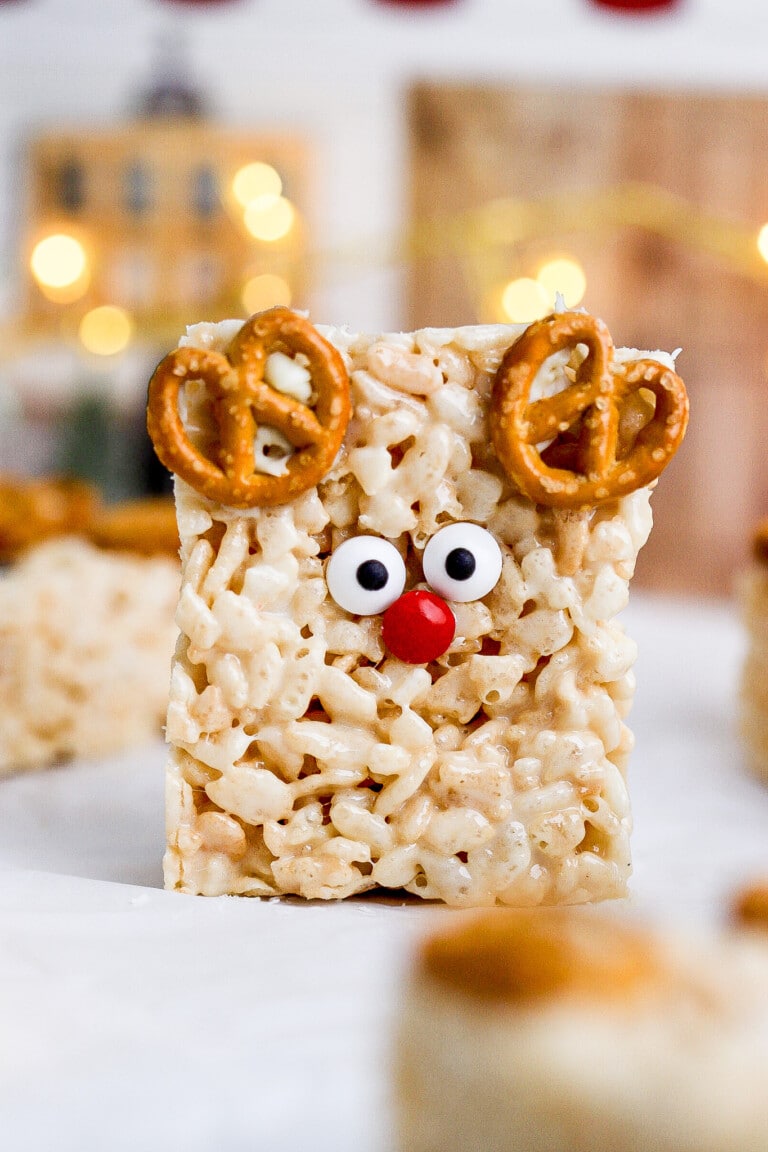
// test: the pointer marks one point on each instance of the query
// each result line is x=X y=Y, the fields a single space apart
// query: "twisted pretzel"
x=235 y=383
x=587 y=460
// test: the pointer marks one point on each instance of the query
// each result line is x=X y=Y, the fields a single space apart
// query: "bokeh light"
x=762 y=242
x=565 y=276
x=59 y=261
x=265 y=291
x=106 y=330
x=255 y=180
x=270 y=217
x=524 y=300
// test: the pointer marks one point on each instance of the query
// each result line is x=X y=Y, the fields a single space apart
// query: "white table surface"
x=135 y=1019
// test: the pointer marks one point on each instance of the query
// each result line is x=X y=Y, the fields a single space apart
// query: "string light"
x=524 y=299
x=265 y=291
x=59 y=262
x=269 y=217
x=106 y=330
x=486 y=242
x=255 y=180
x=762 y=242
x=565 y=276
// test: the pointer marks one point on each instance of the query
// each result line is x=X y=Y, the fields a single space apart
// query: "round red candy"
x=418 y=627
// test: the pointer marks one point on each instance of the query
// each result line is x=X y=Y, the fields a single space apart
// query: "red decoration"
x=199 y=3
x=418 y=627
x=415 y=3
x=636 y=5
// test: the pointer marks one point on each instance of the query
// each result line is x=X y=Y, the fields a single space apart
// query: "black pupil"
x=460 y=564
x=372 y=575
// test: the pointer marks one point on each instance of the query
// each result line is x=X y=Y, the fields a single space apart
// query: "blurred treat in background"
x=561 y=1030
x=87 y=628
x=753 y=694
x=36 y=509
x=86 y=638
x=750 y=905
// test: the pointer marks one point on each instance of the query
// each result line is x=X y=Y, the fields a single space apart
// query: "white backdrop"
x=336 y=70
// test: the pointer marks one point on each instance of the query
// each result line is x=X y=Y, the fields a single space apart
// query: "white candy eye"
x=365 y=575
x=462 y=562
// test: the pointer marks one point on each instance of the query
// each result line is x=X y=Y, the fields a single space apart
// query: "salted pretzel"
x=240 y=396
x=585 y=427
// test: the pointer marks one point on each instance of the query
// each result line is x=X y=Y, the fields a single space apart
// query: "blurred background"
x=387 y=164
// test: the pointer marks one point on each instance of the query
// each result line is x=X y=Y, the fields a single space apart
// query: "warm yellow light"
x=106 y=330
x=524 y=300
x=58 y=261
x=264 y=292
x=762 y=242
x=270 y=217
x=565 y=276
x=255 y=180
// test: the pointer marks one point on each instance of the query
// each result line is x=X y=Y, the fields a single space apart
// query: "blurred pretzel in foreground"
x=241 y=396
x=613 y=430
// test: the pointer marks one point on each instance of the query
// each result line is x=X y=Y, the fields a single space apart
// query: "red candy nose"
x=418 y=627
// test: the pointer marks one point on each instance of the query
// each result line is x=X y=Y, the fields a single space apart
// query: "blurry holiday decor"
x=416 y=3
x=636 y=5
x=201 y=3
x=133 y=230
x=554 y=195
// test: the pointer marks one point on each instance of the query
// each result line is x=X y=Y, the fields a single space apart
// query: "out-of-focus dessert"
x=753 y=697
x=86 y=633
x=402 y=559
x=558 y=1030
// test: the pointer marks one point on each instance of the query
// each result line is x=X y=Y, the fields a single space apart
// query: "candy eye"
x=365 y=575
x=462 y=562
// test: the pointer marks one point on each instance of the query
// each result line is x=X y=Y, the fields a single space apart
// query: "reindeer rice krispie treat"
x=403 y=556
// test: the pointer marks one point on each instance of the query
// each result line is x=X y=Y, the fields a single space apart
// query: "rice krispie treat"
x=86 y=637
x=403 y=556
x=753 y=699
x=555 y=1030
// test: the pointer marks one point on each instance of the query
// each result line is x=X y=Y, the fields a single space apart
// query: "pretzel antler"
x=240 y=400
x=585 y=461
